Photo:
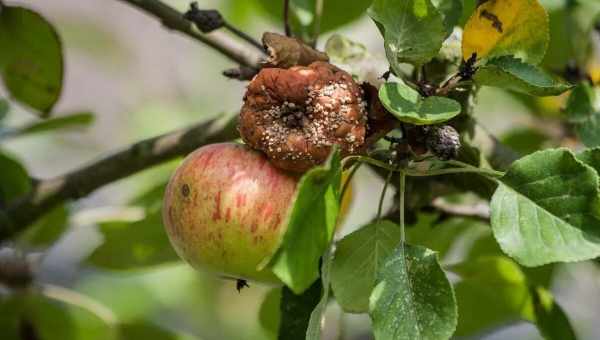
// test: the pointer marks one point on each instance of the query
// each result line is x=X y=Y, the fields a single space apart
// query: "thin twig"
x=173 y=19
x=140 y=156
x=286 y=18
x=318 y=18
x=243 y=35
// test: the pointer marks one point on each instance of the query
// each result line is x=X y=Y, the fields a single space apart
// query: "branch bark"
x=47 y=194
x=173 y=19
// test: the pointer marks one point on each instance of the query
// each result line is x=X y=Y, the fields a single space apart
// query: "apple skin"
x=225 y=208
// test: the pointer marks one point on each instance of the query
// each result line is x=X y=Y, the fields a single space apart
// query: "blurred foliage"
x=47 y=230
x=69 y=121
x=269 y=315
x=303 y=21
x=525 y=140
x=139 y=244
x=32 y=65
x=14 y=180
x=33 y=316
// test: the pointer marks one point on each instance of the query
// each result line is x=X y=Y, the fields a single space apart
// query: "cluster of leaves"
x=545 y=209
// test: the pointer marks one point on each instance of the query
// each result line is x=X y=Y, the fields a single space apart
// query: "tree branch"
x=173 y=19
x=142 y=155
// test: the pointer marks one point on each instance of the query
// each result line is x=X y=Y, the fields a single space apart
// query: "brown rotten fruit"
x=296 y=115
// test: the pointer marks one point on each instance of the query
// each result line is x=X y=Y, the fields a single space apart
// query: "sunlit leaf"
x=413 y=299
x=31 y=62
x=407 y=105
x=545 y=209
x=507 y=27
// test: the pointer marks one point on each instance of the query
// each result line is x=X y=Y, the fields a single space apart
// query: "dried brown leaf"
x=285 y=52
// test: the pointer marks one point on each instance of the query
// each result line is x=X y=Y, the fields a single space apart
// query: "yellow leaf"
x=507 y=27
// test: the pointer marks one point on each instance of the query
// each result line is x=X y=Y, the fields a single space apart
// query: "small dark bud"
x=443 y=141
x=241 y=284
x=241 y=73
x=206 y=20
x=468 y=69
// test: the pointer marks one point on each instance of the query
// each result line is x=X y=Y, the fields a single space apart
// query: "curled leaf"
x=285 y=52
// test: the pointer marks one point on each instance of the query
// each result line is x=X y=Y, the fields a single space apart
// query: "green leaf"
x=296 y=310
x=310 y=226
x=31 y=62
x=134 y=245
x=413 y=30
x=358 y=258
x=14 y=180
x=493 y=291
x=582 y=114
x=590 y=157
x=550 y=318
x=269 y=314
x=47 y=229
x=451 y=11
x=407 y=105
x=513 y=74
x=413 y=298
x=49 y=319
x=545 y=209
x=507 y=27
x=75 y=120
x=4 y=108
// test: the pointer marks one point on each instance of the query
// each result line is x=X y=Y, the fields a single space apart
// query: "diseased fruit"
x=296 y=115
x=225 y=210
